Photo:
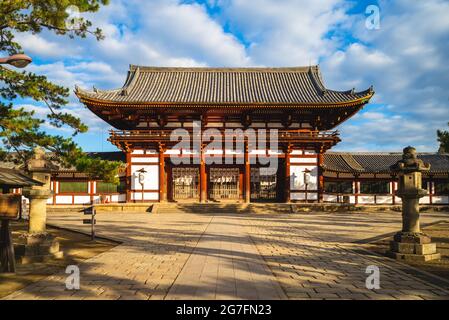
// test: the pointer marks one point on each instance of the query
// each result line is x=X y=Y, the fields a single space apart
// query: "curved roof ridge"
x=220 y=69
x=381 y=153
x=315 y=76
x=351 y=162
x=80 y=91
x=131 y=81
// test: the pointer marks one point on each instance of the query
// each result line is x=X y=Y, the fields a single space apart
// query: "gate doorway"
x=185 y=184
x=224 y=184
x=263 y=185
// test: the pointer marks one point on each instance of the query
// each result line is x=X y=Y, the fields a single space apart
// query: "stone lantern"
x=411 y=243
x=37 y=244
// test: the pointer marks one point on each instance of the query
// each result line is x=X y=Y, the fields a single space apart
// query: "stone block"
x=414 y=257
x=37 y=248
x=413 y=248
x=407 y=237
x=428 y=248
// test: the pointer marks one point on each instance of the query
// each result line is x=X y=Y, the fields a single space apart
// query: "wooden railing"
x=164 y=134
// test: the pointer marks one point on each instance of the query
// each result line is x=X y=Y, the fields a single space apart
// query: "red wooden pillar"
x=247 y=179
x=162 y=186
x=356 y=191
x=430 y=188
x=91 y=193
x=128 y=176
x=203 y=177
x=320 y=176
x=54 y=190
x=288 y=150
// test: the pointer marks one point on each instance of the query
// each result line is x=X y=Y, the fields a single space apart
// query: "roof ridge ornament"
x=316 y=79
x=127 y=89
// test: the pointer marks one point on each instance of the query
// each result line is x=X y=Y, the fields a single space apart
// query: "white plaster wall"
x=146 y=196
x=275 y=125
x=63 y=199
x=81 y=200
x=366 y=199
x=96 y=199
x=302 y=196
x=258 y=125
x=440 y=199
x=214 y=125
x=297 y=177
x=233 y=125
x=174 y=125
x=303 y=160
x=145 y=159
x=352 y=199
x=329 y=198
x=384 y=199
x=424 y=200
x=174 y=151
x=151 y=177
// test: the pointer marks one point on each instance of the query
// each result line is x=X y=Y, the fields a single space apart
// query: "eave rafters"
x=145 y=105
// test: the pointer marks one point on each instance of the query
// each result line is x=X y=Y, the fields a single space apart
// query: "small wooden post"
x=162 y=187
x=288 y=150
x=320 y=175
x=247 y=180
x=203 y=178
x=128 y=176
x=7 y=258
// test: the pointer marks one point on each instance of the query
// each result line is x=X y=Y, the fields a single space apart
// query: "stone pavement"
x=237 y=256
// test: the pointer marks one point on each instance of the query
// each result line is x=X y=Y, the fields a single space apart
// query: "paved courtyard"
x=239 y=256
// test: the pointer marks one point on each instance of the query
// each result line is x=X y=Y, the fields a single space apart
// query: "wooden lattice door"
x=185 y=183
x=224 y=184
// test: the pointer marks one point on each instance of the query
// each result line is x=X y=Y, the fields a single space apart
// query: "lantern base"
x=413 y=247
x=39 y=247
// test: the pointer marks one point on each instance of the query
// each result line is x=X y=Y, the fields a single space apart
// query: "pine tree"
x=443 y=139
x=21 y=130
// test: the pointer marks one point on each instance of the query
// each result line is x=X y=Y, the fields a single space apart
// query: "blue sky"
x=405 y=59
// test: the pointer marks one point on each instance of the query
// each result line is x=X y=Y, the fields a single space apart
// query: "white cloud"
x=45 y=46
x=287 y=32
x=405 y=60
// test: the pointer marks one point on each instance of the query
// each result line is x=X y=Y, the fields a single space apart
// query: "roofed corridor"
x=238 y=256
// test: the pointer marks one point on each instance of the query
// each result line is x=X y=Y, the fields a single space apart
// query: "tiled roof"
x=111 y=156
x=15 y=179
x=205 y=86
x=378 y=162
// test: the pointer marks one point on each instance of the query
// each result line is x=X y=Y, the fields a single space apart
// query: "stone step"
x=161 y=208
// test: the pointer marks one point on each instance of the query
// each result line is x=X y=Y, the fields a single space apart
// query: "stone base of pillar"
x=39 y=247
x=413 y=247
